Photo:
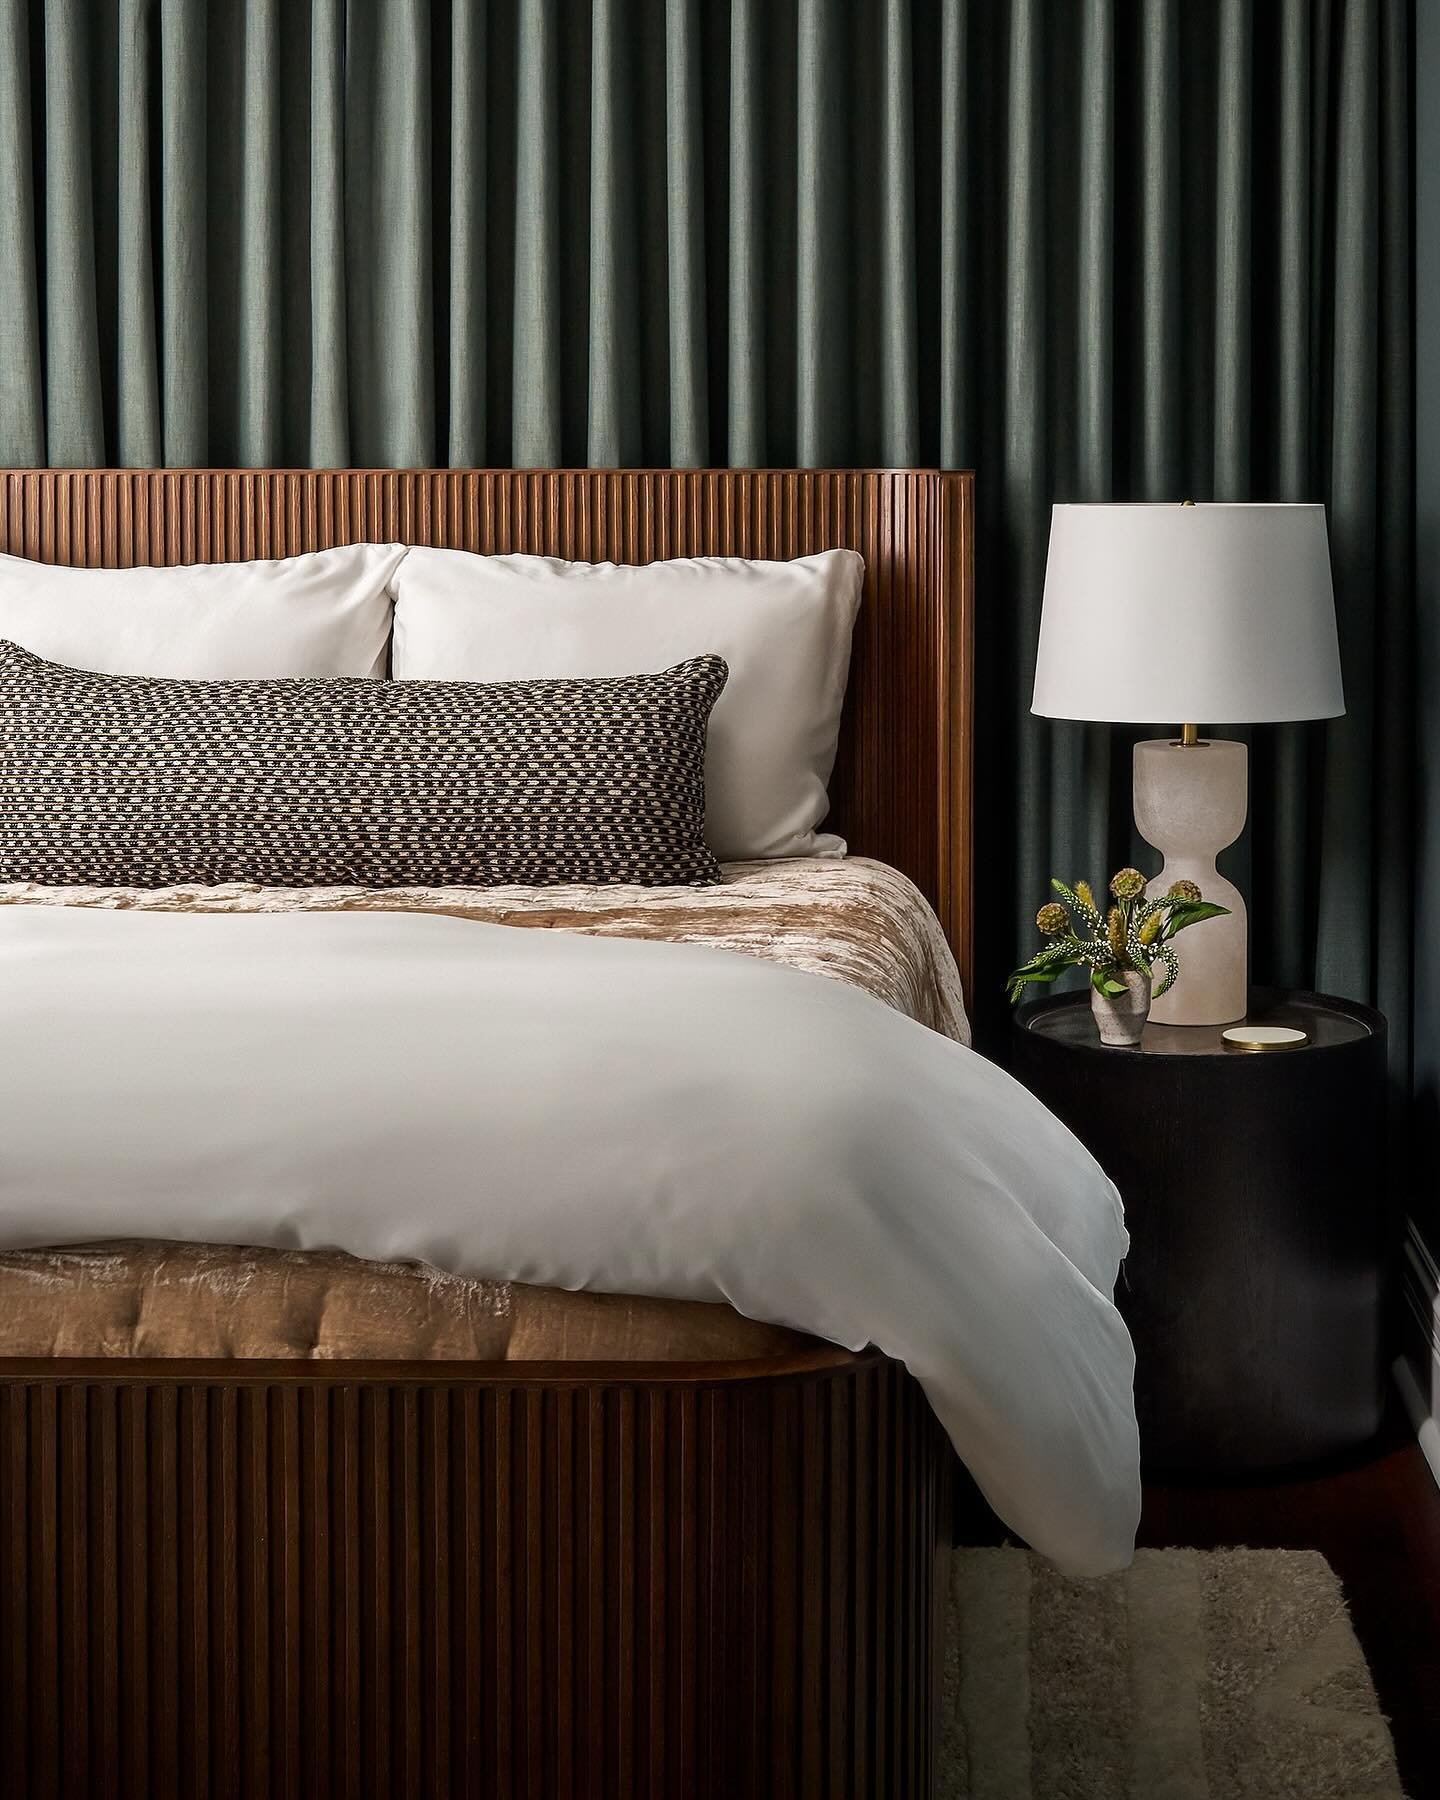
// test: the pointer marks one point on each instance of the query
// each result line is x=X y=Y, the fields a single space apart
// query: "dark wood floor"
x=1377 y=1520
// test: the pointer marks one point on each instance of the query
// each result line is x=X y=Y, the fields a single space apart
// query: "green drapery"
x=1091 y=248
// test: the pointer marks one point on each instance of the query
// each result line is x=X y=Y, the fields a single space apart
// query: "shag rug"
x=1195 y=1675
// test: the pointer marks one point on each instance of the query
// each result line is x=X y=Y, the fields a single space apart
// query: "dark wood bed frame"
x=636 y=1581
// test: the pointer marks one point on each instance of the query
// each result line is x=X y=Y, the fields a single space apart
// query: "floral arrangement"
x=1131 y=935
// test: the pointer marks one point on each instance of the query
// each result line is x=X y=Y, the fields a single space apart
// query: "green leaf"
x=1106 y=984
x=1015 y=987
x=1046 y=965
x=1184 y=913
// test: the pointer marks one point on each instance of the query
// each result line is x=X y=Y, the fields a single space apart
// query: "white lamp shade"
x=1162 y=614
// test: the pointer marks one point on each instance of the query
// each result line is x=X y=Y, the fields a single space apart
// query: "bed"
x=282 y=1520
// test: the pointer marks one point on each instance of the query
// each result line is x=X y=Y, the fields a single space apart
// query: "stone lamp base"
x=1190 y=802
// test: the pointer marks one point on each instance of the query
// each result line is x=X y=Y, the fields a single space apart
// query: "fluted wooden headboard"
x=902 y=788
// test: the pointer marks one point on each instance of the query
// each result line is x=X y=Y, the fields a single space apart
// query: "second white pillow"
x=784 y=629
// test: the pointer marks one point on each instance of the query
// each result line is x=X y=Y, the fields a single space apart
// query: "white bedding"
x=636 y=1117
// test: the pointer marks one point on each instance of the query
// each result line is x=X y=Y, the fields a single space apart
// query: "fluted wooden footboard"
x=647 y=1582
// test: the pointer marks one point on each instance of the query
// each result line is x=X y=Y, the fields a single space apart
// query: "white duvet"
x=635 y=1117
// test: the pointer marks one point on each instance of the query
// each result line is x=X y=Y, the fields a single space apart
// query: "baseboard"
x=1417 y=1368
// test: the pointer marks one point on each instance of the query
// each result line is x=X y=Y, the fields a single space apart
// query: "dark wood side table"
x=1259 y=1215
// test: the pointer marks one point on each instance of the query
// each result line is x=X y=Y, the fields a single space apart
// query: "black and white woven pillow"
x=129 y=781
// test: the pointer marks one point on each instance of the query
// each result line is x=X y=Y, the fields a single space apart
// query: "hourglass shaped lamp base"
x=1190 y=802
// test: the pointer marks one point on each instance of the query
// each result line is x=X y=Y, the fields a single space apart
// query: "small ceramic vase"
x=1120 y=1018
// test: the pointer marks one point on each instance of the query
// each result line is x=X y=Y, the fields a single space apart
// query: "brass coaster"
x=1264 y=1037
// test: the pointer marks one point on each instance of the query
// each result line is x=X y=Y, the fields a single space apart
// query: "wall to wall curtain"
x=1091 y=248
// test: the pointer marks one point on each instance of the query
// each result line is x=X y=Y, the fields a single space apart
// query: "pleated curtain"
x=1089 y=248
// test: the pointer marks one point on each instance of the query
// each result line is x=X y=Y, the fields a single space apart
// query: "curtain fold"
x=329 y=433
x=71 y=362
x=1093 y=250
x=184 y=326
x=138 y=386
x=747 y=286
x=536 y=401
x=687 y=317
x=22 y=370
x=467 y=203
x=899 y=309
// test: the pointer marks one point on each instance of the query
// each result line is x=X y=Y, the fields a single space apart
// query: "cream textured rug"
x=1195 y=1675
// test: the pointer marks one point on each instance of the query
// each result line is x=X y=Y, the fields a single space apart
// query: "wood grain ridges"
x=903 y=780
x=307 y=1585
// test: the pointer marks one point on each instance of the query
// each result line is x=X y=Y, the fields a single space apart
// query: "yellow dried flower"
x=1127 y=884
x=1150 y=930
x=1183 y=890
x=1052 y=917
x=1115 y=931
x=1085 y=895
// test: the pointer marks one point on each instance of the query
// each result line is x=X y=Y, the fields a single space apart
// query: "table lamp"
x=1186 y=613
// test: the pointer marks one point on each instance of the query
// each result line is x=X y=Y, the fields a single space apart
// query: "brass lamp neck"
x=1189 y=737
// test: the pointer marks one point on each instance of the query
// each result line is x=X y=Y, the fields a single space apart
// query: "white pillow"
x=326 y=613
x=783 y=627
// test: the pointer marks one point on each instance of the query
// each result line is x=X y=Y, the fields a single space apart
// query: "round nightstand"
x=1260 y=1221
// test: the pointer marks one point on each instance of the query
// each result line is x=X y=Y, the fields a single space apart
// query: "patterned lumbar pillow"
x=129 y=781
